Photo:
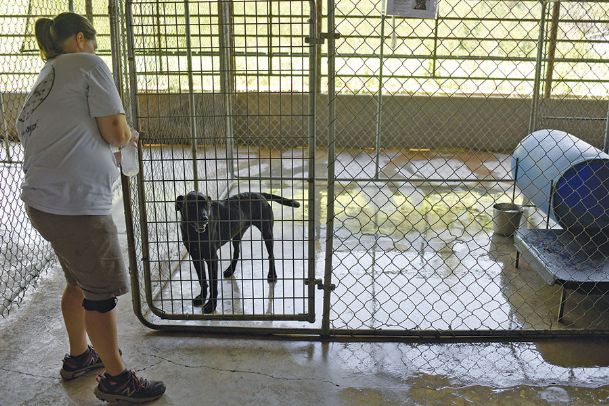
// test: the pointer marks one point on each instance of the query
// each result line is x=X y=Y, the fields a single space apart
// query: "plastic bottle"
x=129 y=159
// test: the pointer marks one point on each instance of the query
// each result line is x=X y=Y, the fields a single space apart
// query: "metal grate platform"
x=576 y=262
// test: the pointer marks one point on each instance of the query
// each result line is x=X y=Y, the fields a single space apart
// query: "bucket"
x=506 y=218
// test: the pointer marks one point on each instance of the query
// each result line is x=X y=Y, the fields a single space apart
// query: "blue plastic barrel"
x=577 y=173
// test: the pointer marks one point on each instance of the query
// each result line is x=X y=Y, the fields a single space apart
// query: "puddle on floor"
x=477 y=373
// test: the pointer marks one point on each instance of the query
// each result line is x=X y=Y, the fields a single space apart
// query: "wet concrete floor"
x=238 y=371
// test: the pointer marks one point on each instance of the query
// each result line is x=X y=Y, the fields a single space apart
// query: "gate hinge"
x=319 y=284
x=322 y=38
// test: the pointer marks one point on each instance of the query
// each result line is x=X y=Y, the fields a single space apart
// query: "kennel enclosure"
x=394 y=134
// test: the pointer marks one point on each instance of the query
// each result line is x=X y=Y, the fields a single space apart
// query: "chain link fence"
x=433 y=108
x=423 y=116
x=396 y=135
x=573 y=89
x=24 y=255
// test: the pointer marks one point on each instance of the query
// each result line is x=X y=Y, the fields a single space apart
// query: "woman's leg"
x=74 y=319
x=101 y=328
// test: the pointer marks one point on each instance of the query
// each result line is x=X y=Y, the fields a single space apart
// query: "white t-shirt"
x=69 y=168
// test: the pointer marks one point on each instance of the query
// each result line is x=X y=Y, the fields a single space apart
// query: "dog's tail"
x=281 y=200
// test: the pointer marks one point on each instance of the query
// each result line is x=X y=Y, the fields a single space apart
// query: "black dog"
x=207 y=225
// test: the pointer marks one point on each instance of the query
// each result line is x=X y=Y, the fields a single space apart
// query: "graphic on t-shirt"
x=39 y=94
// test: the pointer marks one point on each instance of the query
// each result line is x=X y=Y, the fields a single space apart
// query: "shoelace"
x=136 y=381
x=133 y=381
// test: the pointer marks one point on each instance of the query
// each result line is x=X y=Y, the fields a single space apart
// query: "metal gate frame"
x=122 y=31
x=133 y=208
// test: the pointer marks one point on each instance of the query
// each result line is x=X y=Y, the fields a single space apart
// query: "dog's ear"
x=179 y=201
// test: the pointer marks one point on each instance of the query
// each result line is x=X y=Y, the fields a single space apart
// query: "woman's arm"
x=114 y=129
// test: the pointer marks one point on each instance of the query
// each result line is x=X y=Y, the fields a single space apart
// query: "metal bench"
x=560 y=257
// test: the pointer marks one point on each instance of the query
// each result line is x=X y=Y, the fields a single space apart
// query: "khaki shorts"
x=88 y=251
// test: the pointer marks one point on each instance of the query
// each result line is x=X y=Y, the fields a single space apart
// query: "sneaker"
x=128 y=387
x=75 y=366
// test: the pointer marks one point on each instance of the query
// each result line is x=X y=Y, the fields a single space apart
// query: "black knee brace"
x=102 y=306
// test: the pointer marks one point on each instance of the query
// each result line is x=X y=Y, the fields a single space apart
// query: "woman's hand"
x=135 y=136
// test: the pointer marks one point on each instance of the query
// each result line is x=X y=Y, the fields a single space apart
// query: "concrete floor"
x=231 y=371
x=238 y=371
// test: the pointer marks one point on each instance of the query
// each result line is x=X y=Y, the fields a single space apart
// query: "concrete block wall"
x=281 y=120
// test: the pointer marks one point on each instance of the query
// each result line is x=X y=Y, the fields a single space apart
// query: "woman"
x=70 y=121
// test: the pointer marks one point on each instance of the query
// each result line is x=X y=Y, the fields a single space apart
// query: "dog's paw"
x=197 y=301
x=210 y=307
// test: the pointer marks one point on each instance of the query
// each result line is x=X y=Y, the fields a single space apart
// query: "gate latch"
x=319 y=284
x=322 y=38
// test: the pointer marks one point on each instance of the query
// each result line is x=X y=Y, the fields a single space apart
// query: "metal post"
x=561 y=306
x=325 y=324
x=379 y=103
x=118 y=48
x=123 y=41
x=71 y=6
x=311 y=161
x=552 y=50
x=89 y=10
x=159 y=37
x=113 y=12
x=606 y=142
x=538 y=63
x=435 y=48
x=140 y=184
x=5 y=130
x=373 y=294
x=226 y=81
x=269 y=8
x=132 y=71
x=550 y=204
x=191 y=98
x=115 y=46
x=319 y=9
x=515 y=180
